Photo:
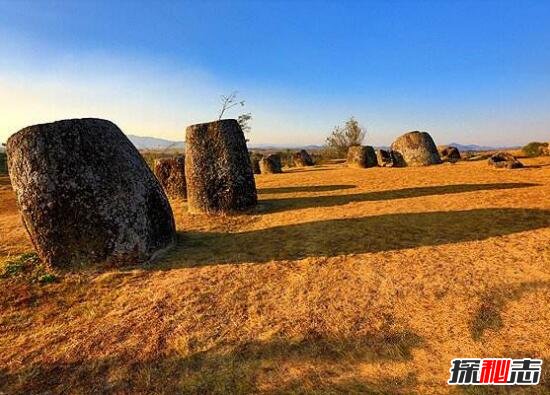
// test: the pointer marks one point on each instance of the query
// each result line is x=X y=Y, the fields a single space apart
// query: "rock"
x=218 y=169
x=504 y=160
x=87 y=196
x=544 y=150
x=255 y=158
x=449 y=154
x=477 y=157
x=386 y=158
x=255 y=163
x=361 y=156
x=415 y=149
x=171 y=174
x=271 y=164
x=302 y=159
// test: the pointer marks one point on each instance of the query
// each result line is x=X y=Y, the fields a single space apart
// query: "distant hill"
x=474 y=147
x=310 y=147
x=143 y=142
x=468 y=147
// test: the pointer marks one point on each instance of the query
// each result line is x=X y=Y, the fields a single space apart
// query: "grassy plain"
x=342 y=281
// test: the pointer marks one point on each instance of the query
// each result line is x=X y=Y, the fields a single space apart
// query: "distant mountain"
x=143 y=142
x=474 y=147
x=311 y=147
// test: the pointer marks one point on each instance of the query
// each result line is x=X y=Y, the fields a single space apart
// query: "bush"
x=287 y=157
x=151 y=155
x=341 y=138
x=533 y=149
x=255 y=155
x=328 y=154
x=3 y=163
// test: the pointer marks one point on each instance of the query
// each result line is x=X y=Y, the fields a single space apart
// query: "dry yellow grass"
x=343 y=281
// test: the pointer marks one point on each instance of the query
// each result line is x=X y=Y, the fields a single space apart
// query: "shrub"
x=287 y=157
x=533 y=149
x=344 y=137
x=3 y=163
x=151 y=155
x=327 y=154
x=255 y=155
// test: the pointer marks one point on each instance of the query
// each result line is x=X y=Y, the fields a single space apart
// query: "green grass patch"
x=19 y=265
x=30 y=267
x=48 y=278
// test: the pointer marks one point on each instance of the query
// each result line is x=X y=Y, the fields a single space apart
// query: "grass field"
x=342 y=281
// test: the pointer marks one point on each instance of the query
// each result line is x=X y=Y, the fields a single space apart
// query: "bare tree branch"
x=229 y=102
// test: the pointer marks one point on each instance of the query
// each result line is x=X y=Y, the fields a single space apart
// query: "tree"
x=534 y=149
x=243 y=120
x=344 y=137
x=228 y=102
x=231 y=101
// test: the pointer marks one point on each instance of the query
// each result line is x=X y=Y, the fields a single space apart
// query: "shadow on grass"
x=316 y=363
x=350 y=236
x=295 y=203
x=5 y=181
x=536 y=166
x=313 y=188
x=290 y=170
x=492 y=303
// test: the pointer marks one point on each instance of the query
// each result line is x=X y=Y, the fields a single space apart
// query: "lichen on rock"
x=302 y=159
x=361 y=156
x=86 y=195
x=415 y=149
x=171 y=174
x=217 y=168
x=271 y=164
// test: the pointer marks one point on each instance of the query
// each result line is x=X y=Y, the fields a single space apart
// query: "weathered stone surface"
x=416 y=149
x=86 y=195
x=171 y=174
x=302 y=159
x=449 y=154
x=504 y=160
x=385 y=158
x=361 y=156
x=473 y=157
x=218 y=169
x=255 y=158
x=271 y=164
x=255 y=162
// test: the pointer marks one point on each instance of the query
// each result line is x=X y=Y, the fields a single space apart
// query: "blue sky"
x=470 y=72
